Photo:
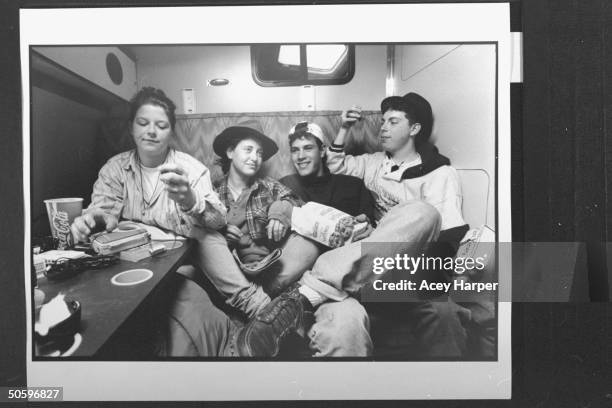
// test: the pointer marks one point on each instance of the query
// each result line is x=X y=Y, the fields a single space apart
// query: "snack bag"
x=324 y=224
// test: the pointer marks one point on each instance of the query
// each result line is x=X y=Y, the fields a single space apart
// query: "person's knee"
x=416 y=215
x=278 y=284
x=428 y=216
x=188 y=271
x=341 y=329
x=299 y=255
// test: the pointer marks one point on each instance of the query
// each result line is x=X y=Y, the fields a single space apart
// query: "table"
x=105 y=307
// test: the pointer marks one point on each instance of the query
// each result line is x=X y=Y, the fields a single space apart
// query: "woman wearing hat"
x=259 y=221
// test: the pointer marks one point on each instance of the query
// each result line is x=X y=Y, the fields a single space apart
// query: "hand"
x=350 y=116
x=276 y=230
x=83 y=225
x=233 y=233
x=365 y=232
x=177 y=185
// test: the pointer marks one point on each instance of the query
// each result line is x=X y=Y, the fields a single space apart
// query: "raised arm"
x=337 y=161
x=349 y=117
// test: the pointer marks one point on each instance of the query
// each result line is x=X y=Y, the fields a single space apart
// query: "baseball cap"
x=303 y=128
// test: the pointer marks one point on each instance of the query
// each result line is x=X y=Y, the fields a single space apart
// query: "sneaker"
x=263 y=335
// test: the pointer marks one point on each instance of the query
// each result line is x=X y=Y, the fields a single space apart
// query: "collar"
x=131 y=161
x=430 y=161
x=224 y=184
x=393 y=171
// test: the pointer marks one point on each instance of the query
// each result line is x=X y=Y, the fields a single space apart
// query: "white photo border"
x=276 y=380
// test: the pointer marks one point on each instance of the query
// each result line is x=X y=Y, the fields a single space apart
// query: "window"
x=305 y=64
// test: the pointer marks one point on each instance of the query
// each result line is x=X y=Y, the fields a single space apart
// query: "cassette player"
x=107 y=243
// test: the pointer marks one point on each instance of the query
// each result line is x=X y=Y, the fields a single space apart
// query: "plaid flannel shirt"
x=262 y=193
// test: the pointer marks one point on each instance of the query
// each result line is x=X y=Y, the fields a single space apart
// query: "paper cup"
x=61 y=212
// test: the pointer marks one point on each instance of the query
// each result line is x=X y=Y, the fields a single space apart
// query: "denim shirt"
x=118 y=191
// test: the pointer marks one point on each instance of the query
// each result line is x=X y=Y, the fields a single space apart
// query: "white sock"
x=314 y=297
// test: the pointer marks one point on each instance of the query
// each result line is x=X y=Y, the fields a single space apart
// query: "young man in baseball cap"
x=313 y=181
x=417 y=201
x=342 y=328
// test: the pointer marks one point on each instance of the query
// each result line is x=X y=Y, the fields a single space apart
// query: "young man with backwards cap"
x=314 y=182
x=417 y=200
x=341 y=329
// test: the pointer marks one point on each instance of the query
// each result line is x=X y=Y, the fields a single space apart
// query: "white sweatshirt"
x=440 y=187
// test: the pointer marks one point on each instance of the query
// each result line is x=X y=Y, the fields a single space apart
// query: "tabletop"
x=105 y=306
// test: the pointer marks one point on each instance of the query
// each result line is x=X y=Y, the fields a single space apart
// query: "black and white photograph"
x=237 y=197
x=318 y=204
x=247 y=262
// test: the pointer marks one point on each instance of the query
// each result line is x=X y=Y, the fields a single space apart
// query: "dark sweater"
x=345 y=193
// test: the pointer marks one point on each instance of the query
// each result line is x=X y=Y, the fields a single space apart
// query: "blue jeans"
x=341 y=329
x=216 y=261
x=407 y=228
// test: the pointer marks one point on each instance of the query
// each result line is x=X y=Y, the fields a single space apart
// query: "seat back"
x=475 y=186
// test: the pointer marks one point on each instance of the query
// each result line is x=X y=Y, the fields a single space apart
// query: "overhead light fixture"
x=217 y=82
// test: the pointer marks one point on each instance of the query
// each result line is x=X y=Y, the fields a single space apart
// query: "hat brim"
x=233 y=133
x=411 y=102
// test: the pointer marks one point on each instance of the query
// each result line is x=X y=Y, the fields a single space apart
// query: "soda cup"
x=61 y=212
